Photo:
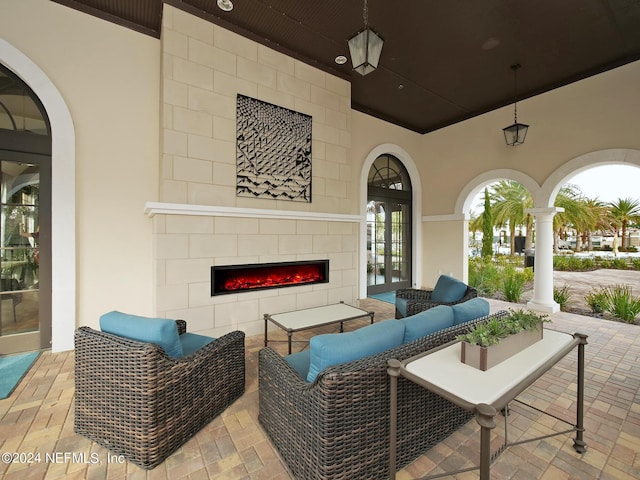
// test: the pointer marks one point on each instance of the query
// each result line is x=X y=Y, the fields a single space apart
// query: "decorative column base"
x=552 y=307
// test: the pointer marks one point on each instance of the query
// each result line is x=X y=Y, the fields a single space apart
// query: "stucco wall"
x=109 y=79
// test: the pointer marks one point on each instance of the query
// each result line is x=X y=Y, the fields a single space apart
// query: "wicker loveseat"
x=137 y=401
x=337 y=427
x=448 y=291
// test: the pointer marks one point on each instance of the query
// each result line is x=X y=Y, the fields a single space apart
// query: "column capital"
x=544 y=211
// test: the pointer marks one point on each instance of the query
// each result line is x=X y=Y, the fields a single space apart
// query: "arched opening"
x=63 y=210
x=25 y=218
x=389 y=226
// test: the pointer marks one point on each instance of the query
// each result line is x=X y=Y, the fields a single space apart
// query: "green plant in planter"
x=491 y=332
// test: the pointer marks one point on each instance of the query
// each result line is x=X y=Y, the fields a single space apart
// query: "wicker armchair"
x=338 y=426
x=420 y=300
x=135 y=400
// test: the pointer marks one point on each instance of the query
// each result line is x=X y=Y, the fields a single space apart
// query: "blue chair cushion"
x=448 y=290
x=300 y=362
x=401 y=306
x=335 y=348
x=427 y=322
x=192 y=342
x=469 y=310
x=161 y=331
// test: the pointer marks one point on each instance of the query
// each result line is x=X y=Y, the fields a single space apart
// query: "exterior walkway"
x=38 y=417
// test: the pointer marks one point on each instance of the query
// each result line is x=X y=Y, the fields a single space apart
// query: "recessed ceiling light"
x=225 y=5
x=341 y=60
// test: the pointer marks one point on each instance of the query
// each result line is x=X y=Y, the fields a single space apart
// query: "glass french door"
x=24 y=263
x=388 y=245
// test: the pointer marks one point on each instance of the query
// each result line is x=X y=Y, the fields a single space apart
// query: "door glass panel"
x=400 y=228
x=19 y=249
x=376 y=243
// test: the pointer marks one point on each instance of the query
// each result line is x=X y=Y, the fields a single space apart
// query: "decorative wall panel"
x=273 y=151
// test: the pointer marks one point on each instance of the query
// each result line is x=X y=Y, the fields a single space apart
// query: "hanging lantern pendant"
x=516 y=133
x=365 y=47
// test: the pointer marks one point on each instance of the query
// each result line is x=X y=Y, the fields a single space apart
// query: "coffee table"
x=488 y=392
x=308 y=318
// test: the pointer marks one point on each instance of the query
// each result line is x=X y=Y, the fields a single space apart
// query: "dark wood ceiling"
x=443 y=61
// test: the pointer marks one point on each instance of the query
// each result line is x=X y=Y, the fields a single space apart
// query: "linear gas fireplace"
x=227 y=279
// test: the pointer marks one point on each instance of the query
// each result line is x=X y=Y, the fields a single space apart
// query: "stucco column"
x=543 y=264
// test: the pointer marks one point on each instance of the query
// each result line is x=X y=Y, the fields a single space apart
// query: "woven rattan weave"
x=338 y=426
x=136 y=401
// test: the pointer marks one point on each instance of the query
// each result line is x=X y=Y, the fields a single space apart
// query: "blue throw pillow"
x=161 y=331
x=470 y=310
x=335 y=348
x=448 y=290
x=427 y=322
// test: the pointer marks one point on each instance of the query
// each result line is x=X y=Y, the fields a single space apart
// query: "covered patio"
x=38 y=417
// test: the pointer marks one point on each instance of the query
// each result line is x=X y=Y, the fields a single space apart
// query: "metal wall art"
x=273 y=151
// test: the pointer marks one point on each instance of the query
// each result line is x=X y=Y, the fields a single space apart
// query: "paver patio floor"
x=38 y=417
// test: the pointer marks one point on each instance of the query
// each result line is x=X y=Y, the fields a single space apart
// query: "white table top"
x=313 y=317
x=444 y=369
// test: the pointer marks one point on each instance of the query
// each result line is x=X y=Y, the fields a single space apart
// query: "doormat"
x=389 y=297
x=12 y=369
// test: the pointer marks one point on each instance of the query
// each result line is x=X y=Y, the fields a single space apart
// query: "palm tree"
x=599 y=218
x=510 y=200
x=575 y=214
x=625 y=211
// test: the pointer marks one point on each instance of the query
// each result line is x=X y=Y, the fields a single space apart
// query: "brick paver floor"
x=38 y=419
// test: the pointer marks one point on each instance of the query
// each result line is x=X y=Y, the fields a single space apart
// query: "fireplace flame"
x=275 y=277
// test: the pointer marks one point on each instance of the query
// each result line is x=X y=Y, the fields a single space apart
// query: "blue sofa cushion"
x=401 y=306
x=335 y=348
x=469 y=310
x=448 y=290
x=300 y=362
x=427 y=322
x=192 y=342
x=161 y=331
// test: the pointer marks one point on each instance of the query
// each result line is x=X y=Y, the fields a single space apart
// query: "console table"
x=487 y=393
x=307 y=318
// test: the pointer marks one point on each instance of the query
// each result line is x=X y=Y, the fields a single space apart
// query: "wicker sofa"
x=337 y=427
x=137 y=401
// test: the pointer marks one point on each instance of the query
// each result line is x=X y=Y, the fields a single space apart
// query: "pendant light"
x=365 y=47
x=515 y=134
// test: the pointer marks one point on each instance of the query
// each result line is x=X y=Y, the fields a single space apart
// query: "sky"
x=609 y=183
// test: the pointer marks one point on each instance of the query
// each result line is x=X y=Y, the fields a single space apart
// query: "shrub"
x=484 y=276
x=606 y=263
x=562 y=295
x=597 y=300
x=513 y=283
x=635 y=263
x=619 y=263
x=621 y=303
x=560 y=263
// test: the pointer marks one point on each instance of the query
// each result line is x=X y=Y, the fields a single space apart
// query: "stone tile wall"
x=204 y=67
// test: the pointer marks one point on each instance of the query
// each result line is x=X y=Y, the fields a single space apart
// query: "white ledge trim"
x=455 y=217
x=157 y=208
